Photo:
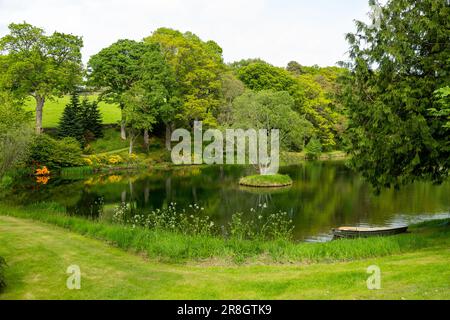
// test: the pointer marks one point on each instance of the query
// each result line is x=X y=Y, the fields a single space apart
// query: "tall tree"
x=91 y=120
x=70 y=124
x=39 y=65
x=272 y=110
x=197 y=67
x=263 y=76
x=232 y=88
x=398 y=62
x=115 y=70
x=312 y=91
x=158 y=79
x=139 y=113
x=153 y=96
x=295 y=68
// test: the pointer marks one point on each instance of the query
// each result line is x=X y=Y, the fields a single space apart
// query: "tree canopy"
x=313 y=89
x=34 y=64
x=272 y=110
x=197 y=67
x=398 y=63
x=115 y=70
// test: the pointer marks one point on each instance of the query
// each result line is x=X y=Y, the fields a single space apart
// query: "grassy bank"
x=53 y=110
x=38 y=256
x=177 y=247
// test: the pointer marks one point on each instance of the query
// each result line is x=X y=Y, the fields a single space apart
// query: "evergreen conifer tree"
x=70 y=124
x=91 y=120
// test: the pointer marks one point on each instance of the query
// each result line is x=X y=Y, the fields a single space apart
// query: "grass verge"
x=39 y=254
x=53 y=110
x=175 y=247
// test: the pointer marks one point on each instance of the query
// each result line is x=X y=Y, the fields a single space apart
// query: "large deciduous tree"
x=311 y=90
x=32 y=63
x=398 y=63
x=197 y=67
x=115 y=70
x=272 y=110
x=153 y=97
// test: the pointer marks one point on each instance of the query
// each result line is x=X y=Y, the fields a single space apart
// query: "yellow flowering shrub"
x=115 y=159
x=114 y=178
x=88 y=161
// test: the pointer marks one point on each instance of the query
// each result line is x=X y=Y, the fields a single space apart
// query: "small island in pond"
x=266 y=181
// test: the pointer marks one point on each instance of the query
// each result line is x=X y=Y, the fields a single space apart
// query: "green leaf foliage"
x=272 y=110
x=397 y=64
x=39 y=65
x=55 y=154
x=197 y=67
x=81 y=121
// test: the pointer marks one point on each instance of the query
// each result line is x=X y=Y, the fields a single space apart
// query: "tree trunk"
x=146 y=139
x=123 y=132
x=131 y=145
x=39 y=107
x=146 y=193
x=168 y=136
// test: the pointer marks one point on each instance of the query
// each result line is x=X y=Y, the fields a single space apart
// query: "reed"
x=76 y=173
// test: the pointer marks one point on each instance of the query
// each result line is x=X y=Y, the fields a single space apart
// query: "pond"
x=324 y=195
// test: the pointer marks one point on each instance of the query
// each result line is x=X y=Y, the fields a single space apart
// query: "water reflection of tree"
x=90 y=205
x=324 y=194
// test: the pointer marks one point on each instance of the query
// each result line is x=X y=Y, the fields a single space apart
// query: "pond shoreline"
x=176 y=247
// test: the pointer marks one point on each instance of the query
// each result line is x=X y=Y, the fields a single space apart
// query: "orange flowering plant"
x=42 y=171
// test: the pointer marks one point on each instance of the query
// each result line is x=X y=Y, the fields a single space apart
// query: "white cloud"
x=277 y=31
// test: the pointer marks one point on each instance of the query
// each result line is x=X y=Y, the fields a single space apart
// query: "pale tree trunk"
x=130 y=151
x=146 y=139
x=123 y=132
x=168 y=136
x=39 y=107
x=146 y=193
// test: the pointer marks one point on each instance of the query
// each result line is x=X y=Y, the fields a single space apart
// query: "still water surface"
x=324 y=195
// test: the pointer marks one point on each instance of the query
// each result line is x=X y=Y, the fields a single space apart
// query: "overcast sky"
x=278 y=31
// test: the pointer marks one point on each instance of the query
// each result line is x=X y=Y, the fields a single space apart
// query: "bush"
x=313 y=149
x=55 y=153
x=15 y=134
x=2 y=273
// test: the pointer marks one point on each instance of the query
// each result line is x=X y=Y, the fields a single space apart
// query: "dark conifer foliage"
x=81 y=120
x=70 y=124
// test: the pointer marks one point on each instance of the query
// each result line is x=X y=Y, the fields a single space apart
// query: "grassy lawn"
x=110 y=142
x=53 y=110
x=39 y=254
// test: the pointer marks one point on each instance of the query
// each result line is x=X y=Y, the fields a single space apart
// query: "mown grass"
x=289 y=158
x=2 y=273
x=276 y=180
x=175 y=247
x=110 y=142
x=38 y=256
x=53 y=110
